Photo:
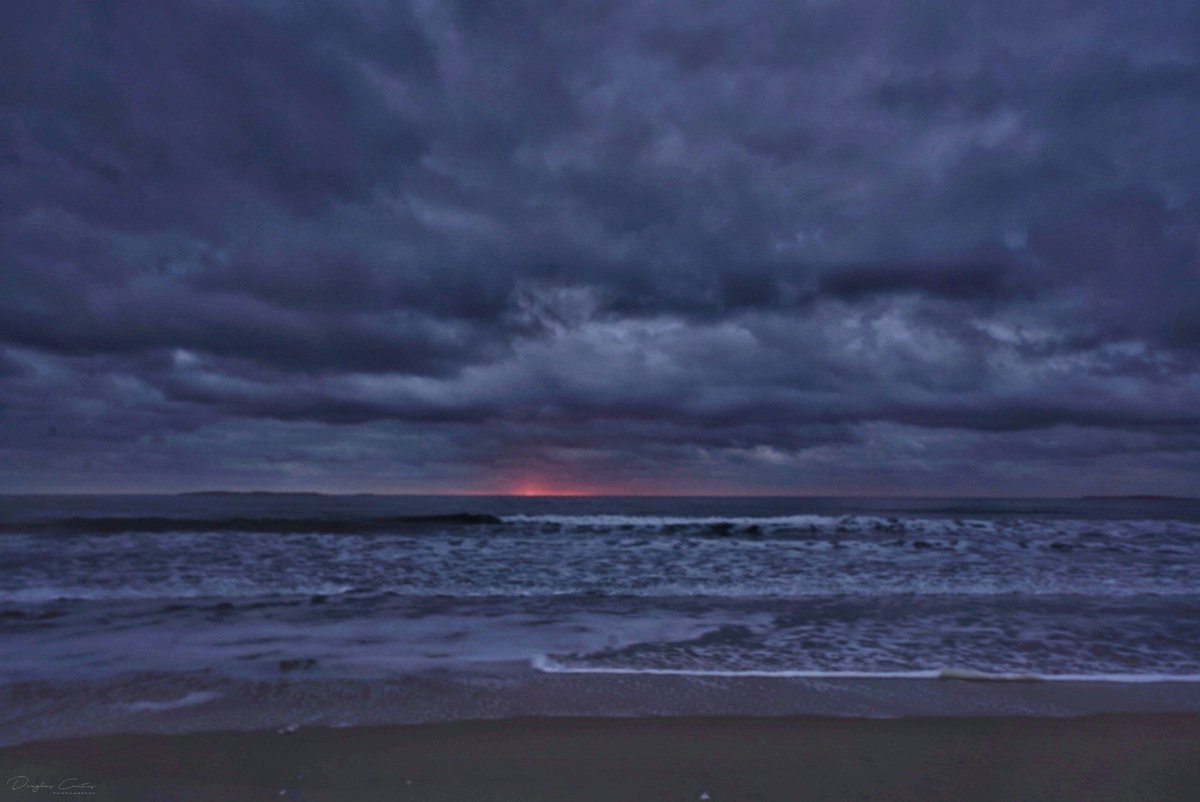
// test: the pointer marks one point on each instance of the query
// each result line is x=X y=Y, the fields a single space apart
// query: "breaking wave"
x=548 y=665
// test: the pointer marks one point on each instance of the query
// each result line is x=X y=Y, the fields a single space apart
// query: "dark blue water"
x=214 y=611
x=367 y=587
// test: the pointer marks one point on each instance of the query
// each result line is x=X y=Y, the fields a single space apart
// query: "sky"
x=817 y=248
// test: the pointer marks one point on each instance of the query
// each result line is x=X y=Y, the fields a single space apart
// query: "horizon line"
x=452 y=494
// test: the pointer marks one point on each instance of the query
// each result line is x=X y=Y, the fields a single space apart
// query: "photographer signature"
x=72 y=786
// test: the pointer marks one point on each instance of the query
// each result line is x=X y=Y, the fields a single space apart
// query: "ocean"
x=250 y=610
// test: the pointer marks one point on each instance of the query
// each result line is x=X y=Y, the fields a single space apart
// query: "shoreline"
x=179 y=704
x=1130 y=756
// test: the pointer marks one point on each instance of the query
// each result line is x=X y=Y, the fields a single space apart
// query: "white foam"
x=154 y=706
x=859 y=523
x=548 y=665
x=659 y=521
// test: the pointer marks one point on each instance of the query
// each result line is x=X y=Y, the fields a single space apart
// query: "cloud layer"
x=816 y=247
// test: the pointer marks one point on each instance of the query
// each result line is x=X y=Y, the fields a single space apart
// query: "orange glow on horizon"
x=535 y=488
x=530 y=487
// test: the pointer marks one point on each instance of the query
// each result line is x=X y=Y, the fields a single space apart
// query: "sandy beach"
x=1109 y=757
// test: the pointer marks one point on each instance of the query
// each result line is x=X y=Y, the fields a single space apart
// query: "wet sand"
x=1105 y=757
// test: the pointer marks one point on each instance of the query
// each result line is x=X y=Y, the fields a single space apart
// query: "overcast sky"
x=738 y=247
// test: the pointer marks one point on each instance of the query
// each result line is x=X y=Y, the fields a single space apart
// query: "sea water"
x=196 y=591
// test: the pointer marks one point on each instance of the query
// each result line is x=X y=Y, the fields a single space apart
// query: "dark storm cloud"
x=933 y=277
x=854 y=246
x=123 y=106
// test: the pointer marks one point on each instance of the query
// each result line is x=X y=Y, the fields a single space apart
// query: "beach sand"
x=1104 y=757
